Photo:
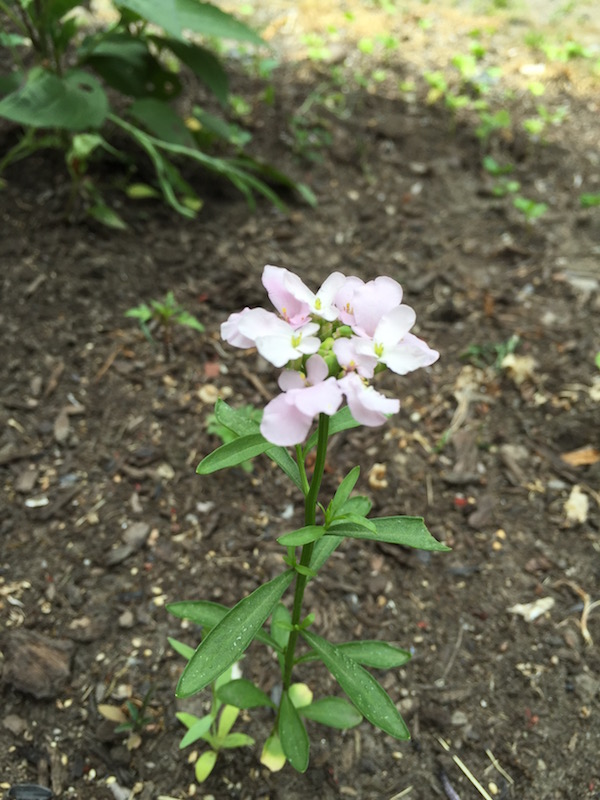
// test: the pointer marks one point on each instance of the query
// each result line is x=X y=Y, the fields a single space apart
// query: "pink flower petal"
x=367 y=406
x=283 y=423
x=374 y=300
x=409 y=354
x=393 y=325
x=287 y=293
x=350 y=356
x=323 y=398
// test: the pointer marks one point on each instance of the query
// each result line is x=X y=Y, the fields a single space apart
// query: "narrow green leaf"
x=225 y=643
x=183 y=649
x=354 y=519
x=334 y=712
x=239 y=422
x=364 y=691
x=236 y=740
x=202 y=62
x=159 y=119
x=281 y=625
x=227 y=719
x=293 y=735
x=242 y=693
x=405 y=531
x=106 y=215
x=369 y=653
x=233 y=453
x=197 y=731
x=302 y=536
x=359 y=504
x=323 y=549
x=208 y=614
x=187 y=719
x=343 y=491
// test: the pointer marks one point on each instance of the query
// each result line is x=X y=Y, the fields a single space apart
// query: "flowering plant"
x=331 y=344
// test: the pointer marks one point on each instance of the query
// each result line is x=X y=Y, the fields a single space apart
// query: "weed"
x=165 y=315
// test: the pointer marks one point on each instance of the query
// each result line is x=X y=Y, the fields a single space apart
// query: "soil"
x=104 y=521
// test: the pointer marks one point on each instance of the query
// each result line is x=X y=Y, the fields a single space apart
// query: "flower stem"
x=310 y=516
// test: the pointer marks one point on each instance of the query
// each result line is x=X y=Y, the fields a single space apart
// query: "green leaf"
x=11 y=82
x=343 y=492
x=208 y=614
x=229 y=715
x=204 y=765
x=233 y=453
x=241 y=424
x=323 y=549
x=280 y=630
x=370 y=653
x=187 y=719
x=74 y=102
x=236 y=740
x=242 y=693
x=225 y=643
x=334 y=712
x=356 y=519
x=161 y=121
x=342 y=420
x=272 y=755
x=178 y=16
x=293 y=735
x=300 y=695
x=202 y=62
x=302 y=536
x=405 y=531
x=104 y=214
x=196 y=731
x=183 y=649
x=140 y=191
x=189 y=320
x=364 y=691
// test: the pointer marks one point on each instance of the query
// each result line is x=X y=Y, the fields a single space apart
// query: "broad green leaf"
x=239 y=422
x=342 y=420
x=11 y=82
x=178 y=16
x=183 y=649
x=405 y=531
x=236 y=740
x=369 y=653
x=208 y=614
x=364 y=691
x=196 y=731
x=161 y=121
x=202 y=62
x=323 y=549
x=227 y=719
x=204 y=765
x=293 y=735
x=242 y=693
x=334 y=712
x=343 y=492
x=302 y=536
x=225 y=643
x=233 y=453
x=56 y=9
x=73 y=102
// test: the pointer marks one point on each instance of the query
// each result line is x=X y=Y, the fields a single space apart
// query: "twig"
x=403 y=793
x=108 y=363
x=466 y=771
x=498 y=767
x=441 y=681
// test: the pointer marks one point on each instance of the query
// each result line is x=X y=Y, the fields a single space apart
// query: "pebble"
x=127 y=619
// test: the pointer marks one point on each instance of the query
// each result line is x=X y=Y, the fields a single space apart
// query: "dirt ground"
x=103 y=520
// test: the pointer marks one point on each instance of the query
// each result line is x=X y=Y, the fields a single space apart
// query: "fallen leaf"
x=112 y=713
x=519 y=368
x=582 y=457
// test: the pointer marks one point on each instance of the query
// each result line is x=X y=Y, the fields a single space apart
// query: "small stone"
x=586 y=687
x=459 y=718
x=36 y=664
x=127 y=619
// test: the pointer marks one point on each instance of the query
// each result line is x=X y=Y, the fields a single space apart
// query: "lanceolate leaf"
x=343 y=491
x=293 y=735
x=203 y=63
x=332 y=711
x=180 y=647
x=209 y=614
x=197 y=731
x=233 y=453
x=242 y=693
x=405 y=531
x=226 y=642
x=323 y=549
x=306 y=535
x=364 y=691
x=160 y=120
x=370 y=653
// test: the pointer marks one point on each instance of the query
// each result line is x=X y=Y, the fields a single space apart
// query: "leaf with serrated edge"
x=225 y=643
x=364 y=691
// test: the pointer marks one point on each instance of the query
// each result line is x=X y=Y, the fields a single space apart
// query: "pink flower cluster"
x=332 y=343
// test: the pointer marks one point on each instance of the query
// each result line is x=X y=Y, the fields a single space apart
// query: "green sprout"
x=491 y=354
x=215 y=727
x=165 y=315
x=137 y=719
x=531 y=209
x=589 y=200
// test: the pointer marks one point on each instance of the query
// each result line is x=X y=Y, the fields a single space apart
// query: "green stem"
x=310 y=516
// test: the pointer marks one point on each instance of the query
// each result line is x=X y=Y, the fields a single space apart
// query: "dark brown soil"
x=100 y=434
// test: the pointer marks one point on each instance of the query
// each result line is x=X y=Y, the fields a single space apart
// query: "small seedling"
x=165 y=315
x=491 y=355
x=133 y=719
x=589 y=200
x=215 y=727
x=530 y=209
